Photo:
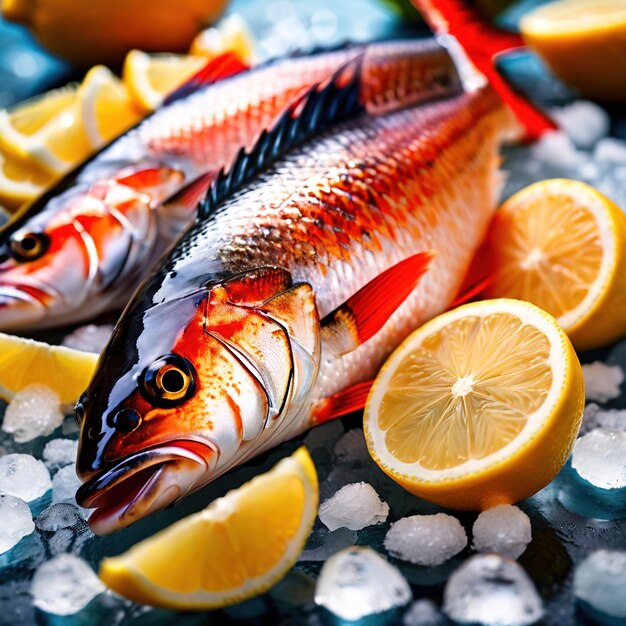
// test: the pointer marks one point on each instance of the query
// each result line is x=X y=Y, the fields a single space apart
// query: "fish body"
x=83 y=247
x=275 y=309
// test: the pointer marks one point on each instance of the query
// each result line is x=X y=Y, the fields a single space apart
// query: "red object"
x=343 y=402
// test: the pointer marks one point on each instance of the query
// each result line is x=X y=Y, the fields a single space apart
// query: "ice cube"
x=585 y=123
x=492 y=589
x=602 y=382
x=423 y=613
x=351 y=447
x=90 y=338
x=600 y=580
x=426 y=539
x=329 y=543
x=23 y=476
x=595 y=417
x=503 y=529
x=555 y=148
x=65 y=483
x=17 y=521
x=358 y=582
x=58 y=453
x=64 y=585
x=611 y=150
x=354 y=506
x=33 y=412
x=599 y=457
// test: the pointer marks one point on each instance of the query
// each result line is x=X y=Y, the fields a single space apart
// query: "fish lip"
x=96 y=488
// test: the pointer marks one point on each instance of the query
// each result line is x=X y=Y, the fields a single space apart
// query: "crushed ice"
x=65 y=483
x=596 y=417
x=16 y=521
x=423 y=613
x=23 y=476
x=602 y=382
x=504 y=529
x=58 y=453
x=354 y=506
x=599 y=457
x=89 y=338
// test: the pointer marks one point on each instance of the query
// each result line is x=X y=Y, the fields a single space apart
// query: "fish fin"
x=222 y=66
x=342 y=403
x=191 y=194
x=255 y=287
x=479 y=276
x=366 y=312
x=482 y=42
x=319 y=107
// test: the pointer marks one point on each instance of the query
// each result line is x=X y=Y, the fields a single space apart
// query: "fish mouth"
x=143 y=483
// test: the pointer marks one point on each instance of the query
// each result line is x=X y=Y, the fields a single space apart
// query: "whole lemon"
x=88 y=32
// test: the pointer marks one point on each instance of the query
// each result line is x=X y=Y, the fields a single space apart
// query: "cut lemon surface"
x=232 y=34
x=26 y=362
x=20 y=182
x=562 y=245
x=151 y=77
x=593 y=32
x=478 y=407
x=236 y=548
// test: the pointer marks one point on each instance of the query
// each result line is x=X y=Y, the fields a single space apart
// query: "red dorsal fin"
x=342 y=403
x=366 y=312
x=191 y=194
x=222 y=66
x=478 y=277
x=481 y=42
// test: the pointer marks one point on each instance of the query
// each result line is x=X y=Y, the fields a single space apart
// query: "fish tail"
x=482 y=42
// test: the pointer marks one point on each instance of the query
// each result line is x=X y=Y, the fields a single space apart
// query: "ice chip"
x=585 y=123
x=503 y=529
x=351 y=447
x=602 y=382
x=354 y=506
x=65 y=483
x=555 y=148
x=426 y=539
x=90 y=338
x=58 y=453
x=59 y=515
x=492 y=589
x=611 y=150
x=600 y=580
x=358 y=582
x=423 y=613
x=595 y=417
x=23 y=476
x=16 y=522
x=33 y=412
x=64 y=585
x=599 y=457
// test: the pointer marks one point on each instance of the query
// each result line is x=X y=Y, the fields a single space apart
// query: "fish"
x=307 y=265
x=83 y=247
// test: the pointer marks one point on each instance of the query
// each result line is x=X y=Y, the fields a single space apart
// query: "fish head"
x=68 y=246
x=187 y=387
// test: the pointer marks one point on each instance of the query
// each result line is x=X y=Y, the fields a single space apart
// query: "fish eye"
x=28 y=246
x=169 y=381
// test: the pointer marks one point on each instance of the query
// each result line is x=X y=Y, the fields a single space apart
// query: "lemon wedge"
x=20 y=182
x=583 y=42
x=232 y=34
x=151 y=77
x=478 y=407
x=26 y=362
x=236 y=548
x=562 y=245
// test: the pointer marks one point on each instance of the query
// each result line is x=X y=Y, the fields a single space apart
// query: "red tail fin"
x=481 y=42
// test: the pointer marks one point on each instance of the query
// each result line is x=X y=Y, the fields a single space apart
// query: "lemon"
x=26 y=362
x=478 y=407
x=236 y=548
x=562 y=245
x=20 y=182
x=103 y=31
x=232 y=34
x=151 y=77
x=583 y=42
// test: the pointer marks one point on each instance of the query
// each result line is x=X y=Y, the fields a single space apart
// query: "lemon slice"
x=591 y=32
x=20 y=182
x=236 y=548
x=562 y=245
x=26 y=362
x=232 y=34
x=151 y=77
x=478 y=407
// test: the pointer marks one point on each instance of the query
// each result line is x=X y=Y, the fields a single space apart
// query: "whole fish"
x=83 y=247
x=277 y=308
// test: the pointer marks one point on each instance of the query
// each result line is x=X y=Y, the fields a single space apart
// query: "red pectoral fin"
x=366 y=312
x=343 y=402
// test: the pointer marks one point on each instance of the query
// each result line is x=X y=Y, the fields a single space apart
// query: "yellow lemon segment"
x=26 y=362
x=562 y=245
x=151 y=77
x=478 y=407
x=20 y=182
x=232 y=34
x=236 y=548
x=583 y=42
